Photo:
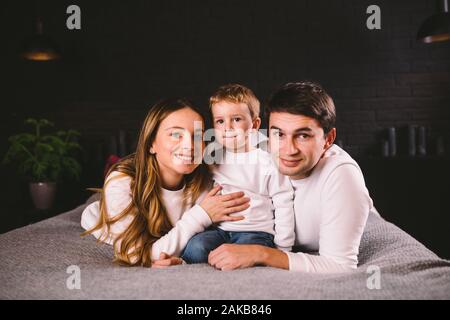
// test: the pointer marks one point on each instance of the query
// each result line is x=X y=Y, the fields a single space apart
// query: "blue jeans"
x=200 y=245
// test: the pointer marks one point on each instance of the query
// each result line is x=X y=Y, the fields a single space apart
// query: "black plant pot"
x=43 y=194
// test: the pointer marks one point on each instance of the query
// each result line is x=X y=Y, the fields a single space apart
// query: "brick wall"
x=128 y=55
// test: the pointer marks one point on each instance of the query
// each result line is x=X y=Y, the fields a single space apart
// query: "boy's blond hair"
x=236 y=93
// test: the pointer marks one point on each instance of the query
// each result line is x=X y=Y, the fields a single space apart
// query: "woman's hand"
x=165 y=261
x=219 y=207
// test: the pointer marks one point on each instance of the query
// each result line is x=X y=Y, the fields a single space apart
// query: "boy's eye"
x=237 y=119
x=220 y=121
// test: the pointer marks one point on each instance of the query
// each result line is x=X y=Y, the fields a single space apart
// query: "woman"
x=155 y=200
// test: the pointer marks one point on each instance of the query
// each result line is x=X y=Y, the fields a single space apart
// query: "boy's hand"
x=165 y=261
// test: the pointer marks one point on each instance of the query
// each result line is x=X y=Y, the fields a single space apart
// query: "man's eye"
x=303 y=136
x=277 y=133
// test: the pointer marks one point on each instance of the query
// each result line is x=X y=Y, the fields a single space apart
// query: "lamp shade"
x=437 y=27
x=40 y=47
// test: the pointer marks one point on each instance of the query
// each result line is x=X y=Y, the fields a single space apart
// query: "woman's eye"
x=176 y=135
x=220 y=121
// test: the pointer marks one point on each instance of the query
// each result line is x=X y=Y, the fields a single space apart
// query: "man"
x=331 y=200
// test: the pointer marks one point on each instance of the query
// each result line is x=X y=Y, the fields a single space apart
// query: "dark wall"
x=129 y=54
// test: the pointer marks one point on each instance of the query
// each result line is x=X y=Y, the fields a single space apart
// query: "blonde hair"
x=150 y=220
x=236 y=93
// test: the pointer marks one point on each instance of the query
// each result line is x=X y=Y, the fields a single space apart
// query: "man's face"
x=297 y=143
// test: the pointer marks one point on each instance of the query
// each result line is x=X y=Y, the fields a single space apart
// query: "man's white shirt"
x=331 y=209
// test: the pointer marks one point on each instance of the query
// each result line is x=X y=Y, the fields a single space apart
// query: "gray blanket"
x=35 y=264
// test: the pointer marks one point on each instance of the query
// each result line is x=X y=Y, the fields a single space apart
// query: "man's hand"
x=165 y=261
x=235 y=256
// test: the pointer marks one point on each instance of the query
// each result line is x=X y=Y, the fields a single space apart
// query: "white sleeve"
x=118 y=197
x=193 y=221
x=345 y=206
x=282 y=195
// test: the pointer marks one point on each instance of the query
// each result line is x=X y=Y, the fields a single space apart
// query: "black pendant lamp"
x=437 y=27
x=40 y=47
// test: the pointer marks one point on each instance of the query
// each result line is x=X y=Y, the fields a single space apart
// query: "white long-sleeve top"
x=118 y=196
x=271 y=194
x=331 y=209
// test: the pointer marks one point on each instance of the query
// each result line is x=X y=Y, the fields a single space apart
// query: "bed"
x=36 y=260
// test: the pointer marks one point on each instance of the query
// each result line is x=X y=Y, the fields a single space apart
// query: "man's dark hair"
x=305 y=98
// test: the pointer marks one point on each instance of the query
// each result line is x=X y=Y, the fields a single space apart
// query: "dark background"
x=130 y=54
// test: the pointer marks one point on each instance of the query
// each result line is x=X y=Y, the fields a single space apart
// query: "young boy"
x=241 y=166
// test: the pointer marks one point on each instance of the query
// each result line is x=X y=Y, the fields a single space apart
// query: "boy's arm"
x=282 y=195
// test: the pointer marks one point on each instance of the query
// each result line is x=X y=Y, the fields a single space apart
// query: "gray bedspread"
x=34 y=262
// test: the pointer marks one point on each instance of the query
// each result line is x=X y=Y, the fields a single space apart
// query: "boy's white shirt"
x=271 y=194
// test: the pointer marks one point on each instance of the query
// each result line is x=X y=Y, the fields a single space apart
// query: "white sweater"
x=331 y=210
x=118 y=197
x=271 y=194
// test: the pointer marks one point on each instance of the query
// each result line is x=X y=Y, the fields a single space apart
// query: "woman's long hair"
x=150 y=220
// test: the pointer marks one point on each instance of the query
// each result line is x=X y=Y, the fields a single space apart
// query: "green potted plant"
x=44 y=159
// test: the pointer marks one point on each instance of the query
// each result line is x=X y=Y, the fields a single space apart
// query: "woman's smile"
x=185 y=158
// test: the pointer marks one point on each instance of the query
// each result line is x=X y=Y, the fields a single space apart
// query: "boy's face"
x=232 y=123
x=297 y=142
